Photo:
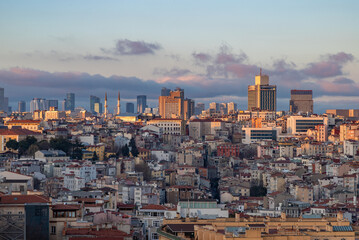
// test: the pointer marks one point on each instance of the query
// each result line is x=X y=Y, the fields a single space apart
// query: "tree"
x=134 y=150
x=43 y=145
x=258 y=191
x=125 y=151
x=61 y=143
x=143 y=167
x=95 y=157
x=12 y=144
x=32 y=150
x=77 y=153
x=26 y=143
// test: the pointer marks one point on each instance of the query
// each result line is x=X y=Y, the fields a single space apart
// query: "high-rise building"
x=141 y=103
x=172 y=106
x=21 y=106
x=2 y=99
x=301 y=101
x=38 y=104
x=262 y=96
x=6 y=104
x=188 y=108
x=223 y=108
x=214 y=106
x=130 y=107
x=70 y=102
x=63 y=105
x=232 y=107
x=199 y=108
x=53 y=103
x=165 y=91
x=93 y=101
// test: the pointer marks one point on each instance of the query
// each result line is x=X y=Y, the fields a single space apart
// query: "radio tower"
x=118 y=104
x=106 y=110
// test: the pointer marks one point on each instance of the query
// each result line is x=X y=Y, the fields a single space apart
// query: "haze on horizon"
x=211 y=49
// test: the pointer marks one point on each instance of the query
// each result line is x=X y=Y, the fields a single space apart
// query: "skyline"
x=211 y=50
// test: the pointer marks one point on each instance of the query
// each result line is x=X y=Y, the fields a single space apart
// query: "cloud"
x=201 y=57
x=128 y=47
x=341 y=57
x=330 y=66
x=174 y=72
x=343 y=80
x=99 y=58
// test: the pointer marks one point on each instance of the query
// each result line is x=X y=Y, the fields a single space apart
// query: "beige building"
x=17 y=135
x=175 y=106
x=32 y=125
x=301 y=101
x=198 y=128
x=170 y=126
x=262 y=96
x=258 y=228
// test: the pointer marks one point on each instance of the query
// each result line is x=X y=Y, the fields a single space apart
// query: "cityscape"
x=179 y=120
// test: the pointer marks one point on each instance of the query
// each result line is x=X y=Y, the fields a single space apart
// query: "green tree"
x=95 y=157
x=77 y=153
x=125 y=151
x=61 y=143
x=26 y=143
x=134 y=150
x=258 y=191
x=32 y=150
x=12 y=144
x=43 y=145
x=144 y=168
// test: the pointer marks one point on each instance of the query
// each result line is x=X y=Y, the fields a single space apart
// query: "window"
x=154 y=236
x=53 y=230
x=156 y=223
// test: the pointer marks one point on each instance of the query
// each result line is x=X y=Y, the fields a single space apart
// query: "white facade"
x=73 y=183
x=351 y=147
x=252 y=135
x=300 y=124
x=87 y=172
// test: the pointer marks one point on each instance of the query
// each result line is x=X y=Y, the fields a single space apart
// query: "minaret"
x=106 y=111
x=118 y=104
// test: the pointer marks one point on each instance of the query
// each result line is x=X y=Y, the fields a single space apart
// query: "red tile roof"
x=22 y=199
x=17 y=131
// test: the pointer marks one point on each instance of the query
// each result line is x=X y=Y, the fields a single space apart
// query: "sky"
x=211 y=49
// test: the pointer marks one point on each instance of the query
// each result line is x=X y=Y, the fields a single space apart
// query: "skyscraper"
x=38 y=104
x=21 y=106
x=199 y=108
x=53 y=103
x=301 y=101
x=130 y=107
x=93 y=101
x=165 y=91
x=141 y=103
x=172 y=106
x=1 y=99
x=262 y=96
x=70 y=102
x=6 y=104
x=232 y=107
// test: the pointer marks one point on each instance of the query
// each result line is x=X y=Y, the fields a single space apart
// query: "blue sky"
x=212 y=49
